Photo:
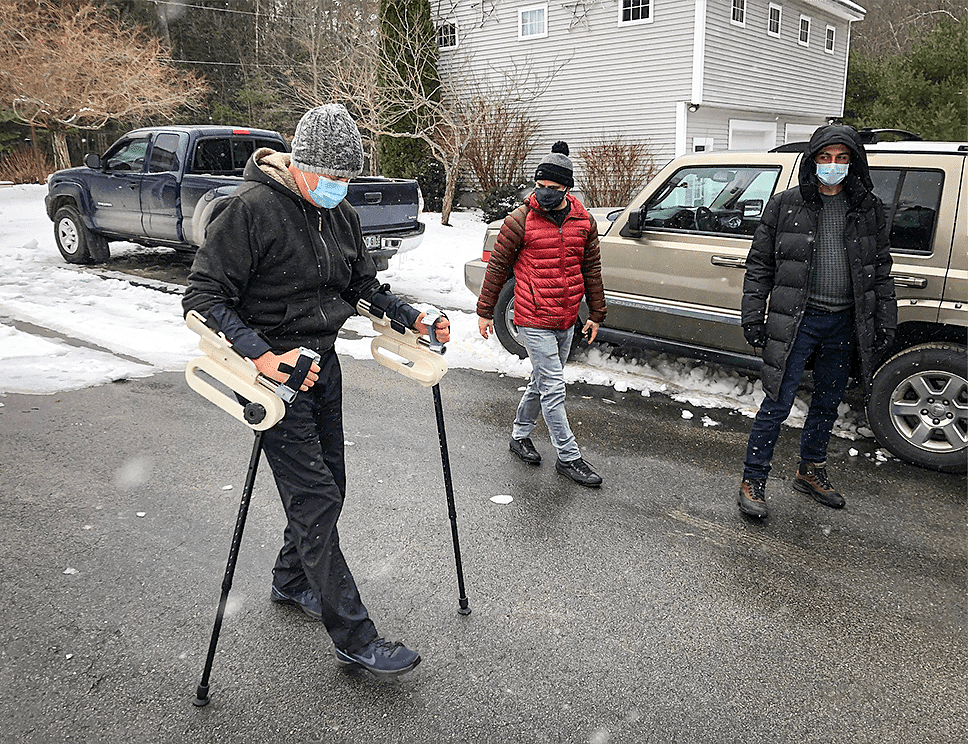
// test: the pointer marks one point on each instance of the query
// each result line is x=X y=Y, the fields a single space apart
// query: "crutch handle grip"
x=287 y=390
x=222 y=364
x=403 y=350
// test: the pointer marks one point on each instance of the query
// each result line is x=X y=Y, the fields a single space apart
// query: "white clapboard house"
x=682 y=75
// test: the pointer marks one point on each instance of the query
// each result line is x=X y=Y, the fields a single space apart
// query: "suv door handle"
x=729 y=261
x=918 y=282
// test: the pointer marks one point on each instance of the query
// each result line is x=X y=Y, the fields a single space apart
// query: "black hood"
x=858 y=182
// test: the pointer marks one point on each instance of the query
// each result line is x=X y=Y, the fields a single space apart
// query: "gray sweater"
x=830 y=273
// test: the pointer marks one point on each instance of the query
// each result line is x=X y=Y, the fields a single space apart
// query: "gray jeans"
x=545 y=394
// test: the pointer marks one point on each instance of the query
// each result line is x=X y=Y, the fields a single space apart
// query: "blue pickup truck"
x=155 y=186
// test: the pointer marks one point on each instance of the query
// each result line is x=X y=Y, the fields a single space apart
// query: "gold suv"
x=673 y=263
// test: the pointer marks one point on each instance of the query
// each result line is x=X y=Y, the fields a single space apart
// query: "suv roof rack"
x=868 y=137
x=872 y=136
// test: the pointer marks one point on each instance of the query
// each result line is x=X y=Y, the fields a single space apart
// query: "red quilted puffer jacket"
x=553 y=267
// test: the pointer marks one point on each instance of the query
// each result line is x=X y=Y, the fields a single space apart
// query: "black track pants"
x=305 y=453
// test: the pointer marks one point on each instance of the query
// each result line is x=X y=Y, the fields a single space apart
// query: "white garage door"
x=752 y=135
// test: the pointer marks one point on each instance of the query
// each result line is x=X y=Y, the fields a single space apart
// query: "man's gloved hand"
x=755 y=334
x=883 y=340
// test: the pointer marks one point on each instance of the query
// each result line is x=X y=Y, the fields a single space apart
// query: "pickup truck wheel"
x=76 y=243
x=918 y=407
x=507 y=332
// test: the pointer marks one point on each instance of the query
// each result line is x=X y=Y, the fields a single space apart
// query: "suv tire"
x=76 y=243
x=507 y=332
x=918 y=408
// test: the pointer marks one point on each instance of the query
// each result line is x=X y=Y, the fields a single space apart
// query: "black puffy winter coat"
x=781 y=258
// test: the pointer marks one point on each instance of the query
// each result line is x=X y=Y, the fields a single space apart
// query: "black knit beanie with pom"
x=556 y=166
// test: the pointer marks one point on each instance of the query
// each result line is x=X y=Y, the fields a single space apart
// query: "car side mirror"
x=633 y=228
x=93 y=160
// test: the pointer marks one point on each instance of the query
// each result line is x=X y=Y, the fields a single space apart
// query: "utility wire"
x=226 y=64
x=178 y=4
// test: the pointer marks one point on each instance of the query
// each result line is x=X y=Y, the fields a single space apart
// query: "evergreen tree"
x=406 y=25
x=923 y=90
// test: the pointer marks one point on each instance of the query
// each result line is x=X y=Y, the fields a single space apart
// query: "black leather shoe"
x=579 y=472
x=752 y=498
x=525 y=449
x=306 y=601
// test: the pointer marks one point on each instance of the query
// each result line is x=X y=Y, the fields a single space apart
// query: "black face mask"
x=548 y=198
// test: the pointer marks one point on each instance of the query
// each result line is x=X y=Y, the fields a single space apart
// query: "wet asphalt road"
x=647 y=611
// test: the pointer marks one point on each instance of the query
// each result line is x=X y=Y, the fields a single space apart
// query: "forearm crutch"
x=406 y=352
x=263 y=409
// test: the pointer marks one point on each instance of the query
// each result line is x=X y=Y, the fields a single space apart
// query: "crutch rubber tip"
x=464 y=609
x=201 y=697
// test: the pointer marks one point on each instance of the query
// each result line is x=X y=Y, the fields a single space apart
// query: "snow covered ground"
x=140 y=331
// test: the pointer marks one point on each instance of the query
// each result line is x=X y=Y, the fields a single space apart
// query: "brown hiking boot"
x=752 y=498
x=811 y=478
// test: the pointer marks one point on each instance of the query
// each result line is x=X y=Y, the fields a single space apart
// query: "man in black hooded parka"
x=818 y=285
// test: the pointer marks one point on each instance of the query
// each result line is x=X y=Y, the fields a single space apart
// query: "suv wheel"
x=76 y=243
x=507 y=332
x=918 y=407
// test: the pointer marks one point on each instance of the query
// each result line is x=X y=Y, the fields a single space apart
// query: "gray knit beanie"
x=327 y=142
x=556 y=166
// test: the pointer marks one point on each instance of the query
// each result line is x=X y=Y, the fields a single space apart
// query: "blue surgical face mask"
x=830 y=174
x=328 y=193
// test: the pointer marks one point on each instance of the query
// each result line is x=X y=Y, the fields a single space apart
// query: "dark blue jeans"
x=305 y=452
x=831 y=337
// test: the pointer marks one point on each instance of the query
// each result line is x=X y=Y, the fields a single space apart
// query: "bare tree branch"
x=69 y=65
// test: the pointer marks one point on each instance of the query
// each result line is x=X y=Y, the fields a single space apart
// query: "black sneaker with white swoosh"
x=380 y=658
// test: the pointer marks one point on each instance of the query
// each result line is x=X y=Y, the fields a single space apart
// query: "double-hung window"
x=533 y=22
x=635 y=11
x=447 y=35
x=738 y=16
x=773 y=21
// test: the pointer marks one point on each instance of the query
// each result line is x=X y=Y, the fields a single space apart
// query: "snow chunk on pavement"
x=40 y=366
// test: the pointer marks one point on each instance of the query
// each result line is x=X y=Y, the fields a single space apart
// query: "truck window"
x=213 y=155
x=128 y=156
x=912 y=198
x=164 y=153
x=242 y=150
x=227 y=156
x=712 y=199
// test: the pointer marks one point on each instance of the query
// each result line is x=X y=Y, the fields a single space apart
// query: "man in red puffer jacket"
x=551 y=244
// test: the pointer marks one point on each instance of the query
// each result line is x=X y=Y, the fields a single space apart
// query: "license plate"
x=371 y=241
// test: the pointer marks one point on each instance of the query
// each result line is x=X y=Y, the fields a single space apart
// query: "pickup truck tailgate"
x=385 y=205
